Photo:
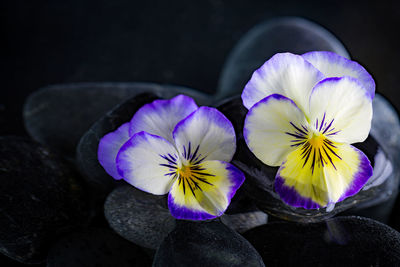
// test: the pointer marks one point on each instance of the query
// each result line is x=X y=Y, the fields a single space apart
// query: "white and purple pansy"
x=304 y=112
x=173 y=146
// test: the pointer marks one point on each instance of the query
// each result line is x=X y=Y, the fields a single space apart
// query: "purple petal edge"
x=338 y=79
x=364 y=76
x=273 y=63
x=237 y=177
x=214 y=115
x=365 y=172
x=157 y=106
x=108 y=148
x=183 y=213
x=290 y=196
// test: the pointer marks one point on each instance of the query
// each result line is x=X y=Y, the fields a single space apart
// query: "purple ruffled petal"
x=285 y=74
x=108 y=149
x=365 y=171
x=161 y=116
x=291 y=197
x=333 y=65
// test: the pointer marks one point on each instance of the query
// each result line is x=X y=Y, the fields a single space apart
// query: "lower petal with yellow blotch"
x=320 y=173
x=203 y=191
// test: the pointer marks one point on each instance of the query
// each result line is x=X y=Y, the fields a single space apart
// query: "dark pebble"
x=139 y=217
x=242 y=222
x=59 y=115
x=341 y=241
x=96 y=247
x=205 y=244
x=394 y=220
x=40 y=198
x=287 y=34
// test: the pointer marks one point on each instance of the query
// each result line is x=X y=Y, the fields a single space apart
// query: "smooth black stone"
x=96 y=247
x=287 y=34
x=242 y=222
x=394 y=220
x=8 y=262
x=241 y=203
x=59 y=115
x=205 y=244
x=369 y=147
x=341 y=241
x=41 y=197
x=140 y=217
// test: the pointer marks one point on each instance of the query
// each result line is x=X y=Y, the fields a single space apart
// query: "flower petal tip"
x=161 y=116
x=185 y=213
x=361 y=177
x=334 y=65
x=291 y=197
x=108 y=149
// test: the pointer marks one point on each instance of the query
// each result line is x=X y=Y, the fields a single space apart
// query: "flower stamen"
x=323 y=151
x=192 y=176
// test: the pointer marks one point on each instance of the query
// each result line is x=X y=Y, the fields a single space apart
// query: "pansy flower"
x=304 y=112
x=173 y=146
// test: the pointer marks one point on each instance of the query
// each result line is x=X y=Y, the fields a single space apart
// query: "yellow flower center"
x=317 y=140
x=184 y=171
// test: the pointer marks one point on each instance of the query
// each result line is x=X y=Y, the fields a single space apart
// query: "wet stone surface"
x=242 y=222
x=140 y=217
x=205 y=244
x=241 y=203
x=41 y=197
x=341 y=241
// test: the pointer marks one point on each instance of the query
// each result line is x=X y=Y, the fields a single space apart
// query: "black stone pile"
x=61 y=211
x=58 y=207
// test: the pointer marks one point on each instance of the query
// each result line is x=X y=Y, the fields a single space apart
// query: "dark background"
x=175 y=42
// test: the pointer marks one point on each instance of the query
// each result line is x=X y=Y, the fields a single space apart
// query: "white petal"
x=341 y=109
x=273 y=128
x=161 y=116
x=206 y=134
x=148 y=162
x=285 y=74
